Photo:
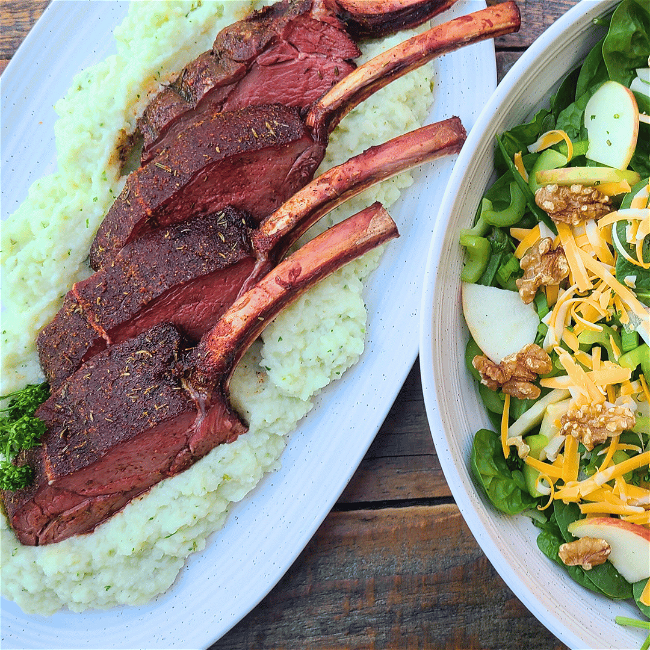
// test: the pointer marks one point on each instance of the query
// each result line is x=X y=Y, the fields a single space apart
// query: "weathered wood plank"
x=17 y=18
x=505 y=61
x=536 y=18
x=391 y=578
x=396 y=479
x=401 y=463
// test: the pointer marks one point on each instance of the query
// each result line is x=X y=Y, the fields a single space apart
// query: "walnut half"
x=574 y=204
x=516 y=372
x=592 y=424
x=542 y=266
x=586 y=552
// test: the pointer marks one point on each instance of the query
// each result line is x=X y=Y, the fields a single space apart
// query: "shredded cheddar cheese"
x=528 y=239
x=550 y=138
x=504 y=427
x=519 y=164
x=584 y=336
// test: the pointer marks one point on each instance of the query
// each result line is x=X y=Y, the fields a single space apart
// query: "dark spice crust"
x=163 y=259
x=87 y=417
x=154 y=194
x=63 y=343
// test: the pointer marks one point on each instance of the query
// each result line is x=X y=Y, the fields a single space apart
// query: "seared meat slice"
x=252 y=159
x=200 y=173
x=148 y=408
x=375 y=18
x=188 y=274
x=115 y=428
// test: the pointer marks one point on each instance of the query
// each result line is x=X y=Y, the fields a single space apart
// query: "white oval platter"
x=267 y=530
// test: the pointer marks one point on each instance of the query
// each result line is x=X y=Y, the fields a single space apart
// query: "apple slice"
x=630 y=544
x=586 y=176
x=612 y=123
x=499 y=321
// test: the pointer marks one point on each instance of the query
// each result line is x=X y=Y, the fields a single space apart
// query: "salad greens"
x=571 y=436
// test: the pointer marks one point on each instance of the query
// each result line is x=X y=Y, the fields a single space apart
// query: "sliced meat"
x=271 y=157
x=115 y=428
x=148 y=408
x=279 y=55
x=188 y=274
x=289 y=53
x=364 y=18
x=65 y=343
x=252 y=159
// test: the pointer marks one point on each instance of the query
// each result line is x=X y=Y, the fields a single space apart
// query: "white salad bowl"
x=578 y=617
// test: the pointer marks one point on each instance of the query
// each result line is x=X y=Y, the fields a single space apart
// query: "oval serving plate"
x=267 y=530
x=578 y=617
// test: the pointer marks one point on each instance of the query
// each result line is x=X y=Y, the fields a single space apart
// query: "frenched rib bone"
x=189 y=273
x=366 y=80
x=283 y=228
x=167 y=405
x=233 y=159
x=287 y=53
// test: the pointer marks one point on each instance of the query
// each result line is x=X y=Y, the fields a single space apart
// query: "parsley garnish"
x=19 y=430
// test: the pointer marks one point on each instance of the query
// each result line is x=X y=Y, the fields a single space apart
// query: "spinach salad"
x=556 y=295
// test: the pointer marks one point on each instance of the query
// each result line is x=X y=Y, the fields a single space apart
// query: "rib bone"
x=328 y=111
x=283 y=228
x=223 y=346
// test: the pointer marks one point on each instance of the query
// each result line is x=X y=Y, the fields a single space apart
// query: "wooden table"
x=393 y=565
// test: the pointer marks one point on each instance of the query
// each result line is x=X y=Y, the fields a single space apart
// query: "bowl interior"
x=454 y=409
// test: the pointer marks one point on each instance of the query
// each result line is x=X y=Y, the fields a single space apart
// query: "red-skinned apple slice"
x=630 y=543
x=612 y=122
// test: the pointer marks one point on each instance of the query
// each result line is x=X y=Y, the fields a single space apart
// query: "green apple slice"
x=499 y=321
x=586 y=176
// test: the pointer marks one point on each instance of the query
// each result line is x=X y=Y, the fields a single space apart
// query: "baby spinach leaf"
x=504 y=487
x=593 y=71
x=627 y=44
x=572 y=117
x=640 y=162
x=549 y=542
x=637 y=590
x=519 y=137
x=565 y=94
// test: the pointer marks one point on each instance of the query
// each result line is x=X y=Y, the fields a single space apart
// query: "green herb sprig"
x=19 y=430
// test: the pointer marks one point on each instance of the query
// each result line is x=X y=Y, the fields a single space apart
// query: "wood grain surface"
x=393 y=565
